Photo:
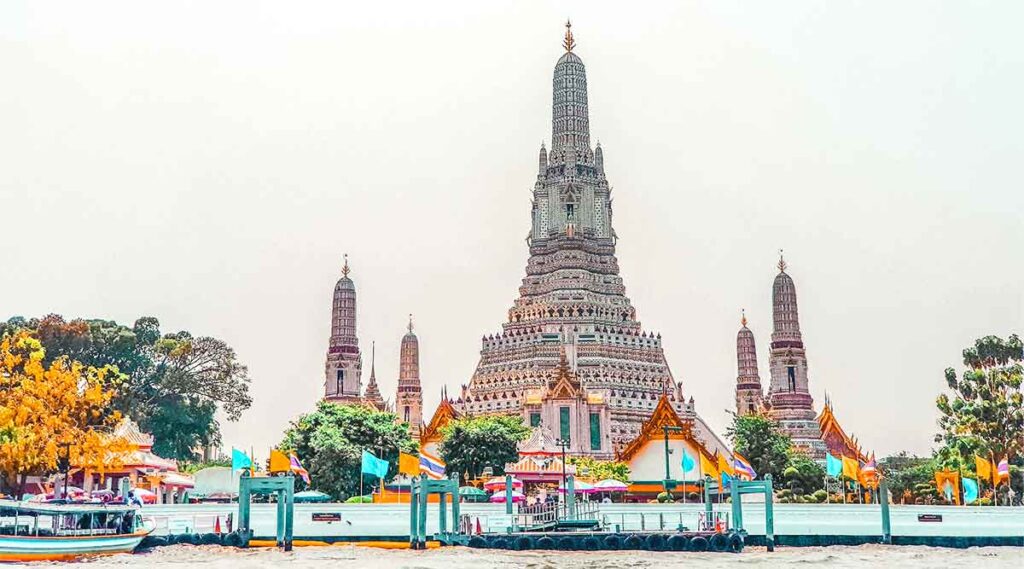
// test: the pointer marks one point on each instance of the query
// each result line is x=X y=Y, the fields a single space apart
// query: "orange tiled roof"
x=653 y=429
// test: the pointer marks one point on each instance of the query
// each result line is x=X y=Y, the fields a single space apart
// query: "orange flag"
x=851 y=468
x=708 y=467
x=948 y=481
x=408 y=464
x=279 y=462
x=984 y=469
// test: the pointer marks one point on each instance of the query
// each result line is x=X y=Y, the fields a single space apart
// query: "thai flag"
x=743 y=467
x=1003 y=469
x=432 y=466
x=869 y=468
x=297 y=468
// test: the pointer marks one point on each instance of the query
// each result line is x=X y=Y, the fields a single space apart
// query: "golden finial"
x=743 y=320
x=568 y=43
x=782 y=262
x=410 y=323
x=345 y=269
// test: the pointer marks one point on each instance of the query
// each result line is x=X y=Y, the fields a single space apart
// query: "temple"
x=572 y=301
x=344 y=367
x=409 y=400
x=789 y=397
x=749 y=397
x=837 y=442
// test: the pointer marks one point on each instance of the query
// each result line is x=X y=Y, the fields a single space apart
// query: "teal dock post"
x=769 y=514
x=707 y=499
x=414 y=511
x=508 y=494
x=424 y=502
x=244 y=500
x=737 y=504
x=570 y=496
x=442 y=509
x=456 y=517
x=883 y=500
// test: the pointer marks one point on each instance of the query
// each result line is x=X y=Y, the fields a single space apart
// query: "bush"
x=665 y=497
x=820 y=496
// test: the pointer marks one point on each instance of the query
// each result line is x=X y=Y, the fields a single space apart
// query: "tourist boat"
x=63 y=532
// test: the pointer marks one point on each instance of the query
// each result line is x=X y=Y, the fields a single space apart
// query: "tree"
x=911 y=479
x=802 y=476
x=173 y=385
x=986 y=411
x=47 y=408
x=601 y=469
x=331 y=439
x=471 y=444
x=760 y=441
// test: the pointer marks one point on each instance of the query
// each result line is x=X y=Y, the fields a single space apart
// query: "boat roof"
x=64 y=509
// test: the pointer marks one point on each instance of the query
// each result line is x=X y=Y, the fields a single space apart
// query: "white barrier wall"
x=360 y=520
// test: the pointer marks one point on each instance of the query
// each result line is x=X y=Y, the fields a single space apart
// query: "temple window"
x=791 y=373
x=341 y=380
x=534 y=419
x=595 y=431
x=563 y=423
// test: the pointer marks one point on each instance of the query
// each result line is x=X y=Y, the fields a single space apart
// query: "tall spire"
x=409 y=399
x=343 y=368
x=568 y=43
x=410 y=323
x=372 y=395
x=749 y=396
x=782 y=262
x=345 y=269
x=743 y=319
x=570 y=120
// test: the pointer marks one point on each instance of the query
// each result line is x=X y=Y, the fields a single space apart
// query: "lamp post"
x=65 y=466
x=564 y=444
x=668 y=476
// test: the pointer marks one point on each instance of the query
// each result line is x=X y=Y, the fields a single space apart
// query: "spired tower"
x=372 y=396
x=789 y=396
x=409 y=400
x=344 y=367
x=572 y=296
x=748 y=382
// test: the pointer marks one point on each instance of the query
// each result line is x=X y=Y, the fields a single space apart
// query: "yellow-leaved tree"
x=46 y=412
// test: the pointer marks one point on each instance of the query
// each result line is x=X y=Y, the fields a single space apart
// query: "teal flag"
x=373 y=465
x=833 y=466
x=688 y=462
x=970 y=490
x=239 y=460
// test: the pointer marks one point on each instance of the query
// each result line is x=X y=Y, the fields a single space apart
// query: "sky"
x=209 y=163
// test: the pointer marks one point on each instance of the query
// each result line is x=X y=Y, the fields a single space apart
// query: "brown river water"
x=861 y=557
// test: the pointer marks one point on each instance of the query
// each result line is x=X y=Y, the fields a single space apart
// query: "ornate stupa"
x=572 y=297
x=409 y=399
x=749 y=397
x=372 y=396
x=789 y=396
x=344 y=366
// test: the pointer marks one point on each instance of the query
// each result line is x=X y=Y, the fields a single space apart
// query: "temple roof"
x=830 y=426
x=130 y=432
x=444 y=414
x=539 y=465
x=664 y=415
x=565 y=384
x=540 y=443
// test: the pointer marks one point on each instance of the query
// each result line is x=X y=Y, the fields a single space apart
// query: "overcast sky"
x=208 y=163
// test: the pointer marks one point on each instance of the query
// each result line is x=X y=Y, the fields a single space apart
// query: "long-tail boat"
x=62 y=532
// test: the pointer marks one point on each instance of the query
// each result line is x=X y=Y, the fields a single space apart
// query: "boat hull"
x=29 y=548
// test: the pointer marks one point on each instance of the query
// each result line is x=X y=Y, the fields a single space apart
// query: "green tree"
x=802 y=476
x=471 y=444
x=760 y=441
x=986 y=410
x=173 y=385
x=601 y=469
x=911 y=479
x=331 y=439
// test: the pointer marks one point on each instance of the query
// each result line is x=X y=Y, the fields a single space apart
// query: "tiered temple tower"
x=572 y=297
x=409 y=400
x=789 y=396
x=372 y=396
x=344 y=366
x=748 y=381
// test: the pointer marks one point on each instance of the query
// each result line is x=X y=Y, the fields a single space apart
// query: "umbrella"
x=311 y=496
x=499 y=497
x=498 y=483
x=472 y=494
x=610 y=485
x=146 y=496
x=579 y=487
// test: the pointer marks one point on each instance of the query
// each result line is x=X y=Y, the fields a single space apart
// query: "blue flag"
x=373 y=465
x=970 y=490
x=239 y=460
x=833 y=466
x=688 y=462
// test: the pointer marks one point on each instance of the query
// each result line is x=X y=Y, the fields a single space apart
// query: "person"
x=133 y=499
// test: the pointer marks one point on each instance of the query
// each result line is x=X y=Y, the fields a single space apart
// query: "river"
x=213 y=557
